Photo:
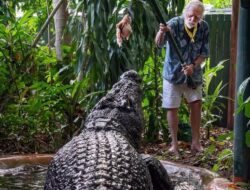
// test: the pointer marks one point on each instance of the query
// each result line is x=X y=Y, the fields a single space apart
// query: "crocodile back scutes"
x=103 y=160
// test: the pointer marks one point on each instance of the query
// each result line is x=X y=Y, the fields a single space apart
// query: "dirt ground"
x=208 y=159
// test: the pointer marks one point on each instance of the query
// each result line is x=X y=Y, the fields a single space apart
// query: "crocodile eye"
x=130 y=103
x=127 y=103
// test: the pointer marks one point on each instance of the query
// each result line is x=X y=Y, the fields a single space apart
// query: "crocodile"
x=105 y=155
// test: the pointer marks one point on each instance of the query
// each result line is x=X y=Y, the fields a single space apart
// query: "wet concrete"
x=185 y=177
x=197 y=177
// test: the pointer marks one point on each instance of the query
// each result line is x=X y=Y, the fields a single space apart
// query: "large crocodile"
x=104 y=156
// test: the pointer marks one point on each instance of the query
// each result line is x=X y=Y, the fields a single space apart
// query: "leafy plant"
x=211 y=107
x=244 y=106
x=40 y=107
x=40 y=98
x=224 y=158
x=224 y=161
x=155 y=121
x=106 y=61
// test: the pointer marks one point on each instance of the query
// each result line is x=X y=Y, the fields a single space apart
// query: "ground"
x=217 y=155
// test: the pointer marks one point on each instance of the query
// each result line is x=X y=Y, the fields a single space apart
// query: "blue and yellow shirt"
x=189 y=50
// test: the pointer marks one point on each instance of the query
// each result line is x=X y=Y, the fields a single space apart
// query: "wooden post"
x=232 y=66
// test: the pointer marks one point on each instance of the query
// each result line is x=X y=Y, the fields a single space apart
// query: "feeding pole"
x=241 y=151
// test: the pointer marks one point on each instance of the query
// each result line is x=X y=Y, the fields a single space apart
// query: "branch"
x=46 y=23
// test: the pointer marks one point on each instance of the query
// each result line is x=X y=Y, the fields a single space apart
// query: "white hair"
x=193 y=3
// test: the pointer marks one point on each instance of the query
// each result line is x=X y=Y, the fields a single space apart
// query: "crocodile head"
x=122 y=106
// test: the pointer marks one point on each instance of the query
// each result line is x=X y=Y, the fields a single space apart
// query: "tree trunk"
x=60 y=20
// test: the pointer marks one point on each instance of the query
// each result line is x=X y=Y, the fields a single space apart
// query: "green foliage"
x=248 y=138
x=39 y=104
x=244 y=105
x=183 y=113
x=224 y=161
x=244 y=185
x=42 y=104
x=152 y=86
x=106 y=61
x=225 y=157
x=211 y=107
x=219 y=3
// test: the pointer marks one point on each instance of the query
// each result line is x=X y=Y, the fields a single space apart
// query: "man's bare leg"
x=195 y=118
x=172 y=117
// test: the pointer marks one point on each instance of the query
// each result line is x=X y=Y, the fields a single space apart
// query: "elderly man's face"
x=193 y=16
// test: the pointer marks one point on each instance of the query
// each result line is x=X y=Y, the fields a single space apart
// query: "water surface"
x=25 y=177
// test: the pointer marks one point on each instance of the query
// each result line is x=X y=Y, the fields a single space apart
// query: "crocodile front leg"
x=158 y=173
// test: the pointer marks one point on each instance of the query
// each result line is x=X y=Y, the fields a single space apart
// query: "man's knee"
x=171 y=111
x=195 y=102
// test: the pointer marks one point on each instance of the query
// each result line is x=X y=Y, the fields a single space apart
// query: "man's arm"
x=160 y=36
x=199 y=60
x=189 y=69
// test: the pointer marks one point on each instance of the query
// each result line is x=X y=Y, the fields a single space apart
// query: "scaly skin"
x=104 y=156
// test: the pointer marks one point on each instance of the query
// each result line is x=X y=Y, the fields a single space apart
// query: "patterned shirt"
x=189 y=50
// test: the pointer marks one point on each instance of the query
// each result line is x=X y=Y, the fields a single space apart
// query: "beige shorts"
x=172 y=94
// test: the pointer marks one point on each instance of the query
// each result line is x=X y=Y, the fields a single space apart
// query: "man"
x=191 y=35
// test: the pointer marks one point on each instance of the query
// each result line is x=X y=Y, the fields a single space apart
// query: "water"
x=32 y=177
x=24 y=177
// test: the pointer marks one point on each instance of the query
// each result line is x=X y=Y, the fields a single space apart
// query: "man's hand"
x=188 y=69
x=163 y=28
x=159 y=38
